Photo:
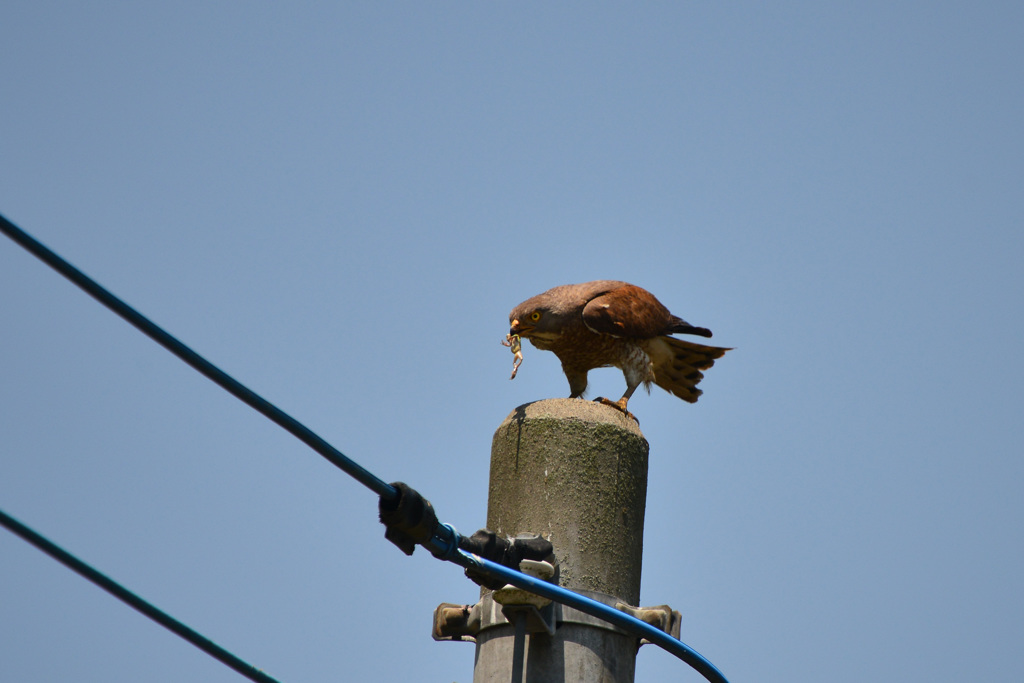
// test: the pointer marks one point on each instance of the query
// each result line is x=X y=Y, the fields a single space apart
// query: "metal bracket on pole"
x=456 y=622
x=517 y=604
x=662 y=617
x=463 y=622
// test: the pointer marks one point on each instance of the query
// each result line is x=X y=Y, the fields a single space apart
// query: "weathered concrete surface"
x=576 y=472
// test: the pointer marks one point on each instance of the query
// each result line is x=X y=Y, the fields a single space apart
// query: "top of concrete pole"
x=576 y=409
x=575 y=472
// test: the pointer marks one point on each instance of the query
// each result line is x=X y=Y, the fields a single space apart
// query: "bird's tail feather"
x=678 y=364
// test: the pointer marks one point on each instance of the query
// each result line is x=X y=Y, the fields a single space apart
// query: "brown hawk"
x=609 y=323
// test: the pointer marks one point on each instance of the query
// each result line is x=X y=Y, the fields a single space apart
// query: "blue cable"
x=444 y=546
x=626 y=622
x=444 y=543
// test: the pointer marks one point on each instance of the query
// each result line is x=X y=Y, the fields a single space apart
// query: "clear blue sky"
x=339 y=203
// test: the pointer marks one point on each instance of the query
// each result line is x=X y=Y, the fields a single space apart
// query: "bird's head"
x=524 y=323
x=538 y=319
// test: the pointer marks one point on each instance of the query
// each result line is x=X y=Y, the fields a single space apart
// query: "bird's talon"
x=619 y=405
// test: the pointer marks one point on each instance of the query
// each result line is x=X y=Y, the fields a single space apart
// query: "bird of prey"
x=609 y=323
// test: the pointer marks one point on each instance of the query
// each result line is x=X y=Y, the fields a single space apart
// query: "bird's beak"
x=518 y=328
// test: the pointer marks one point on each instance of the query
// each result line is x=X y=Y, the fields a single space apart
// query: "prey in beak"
x=513 y=342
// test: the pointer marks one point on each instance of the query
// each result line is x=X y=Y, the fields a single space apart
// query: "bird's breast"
x=583 y=349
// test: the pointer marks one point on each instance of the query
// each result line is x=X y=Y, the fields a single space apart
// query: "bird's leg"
x=621 y=403
x=577 y=381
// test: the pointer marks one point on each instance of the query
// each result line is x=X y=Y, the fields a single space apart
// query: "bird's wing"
x=628 y=311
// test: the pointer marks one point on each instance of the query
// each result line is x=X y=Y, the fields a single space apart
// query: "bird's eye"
x=535 y=316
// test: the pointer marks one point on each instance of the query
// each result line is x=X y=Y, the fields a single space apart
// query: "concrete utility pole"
x=574 y=472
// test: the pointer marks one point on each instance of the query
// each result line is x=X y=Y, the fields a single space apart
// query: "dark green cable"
x=126 y=596
x=179 y=349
